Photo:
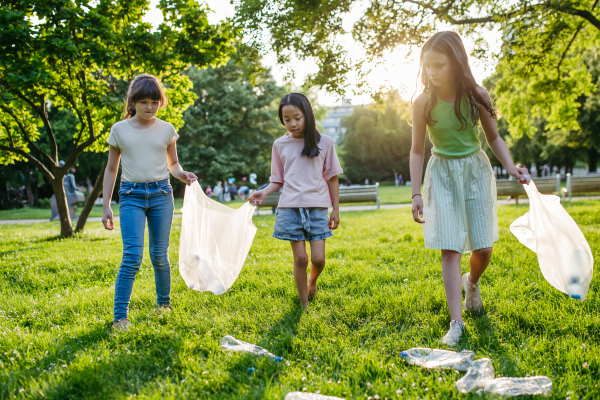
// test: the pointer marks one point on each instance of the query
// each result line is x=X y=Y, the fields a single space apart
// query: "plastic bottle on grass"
x=509 y=387
x=480 y=372
x=232 y=344
x=436 y=358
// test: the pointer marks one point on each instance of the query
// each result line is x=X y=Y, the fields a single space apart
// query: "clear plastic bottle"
x=232 y=344
x=480 y=372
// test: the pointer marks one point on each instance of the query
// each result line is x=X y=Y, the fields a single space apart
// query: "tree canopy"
x=230 y=129
x=541 y=53
x=80 y=57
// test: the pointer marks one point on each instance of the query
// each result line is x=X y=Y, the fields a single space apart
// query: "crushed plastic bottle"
x=509 y=387
x=480 y=372
x=232 y=344
x=309 y=396
x=436 y=358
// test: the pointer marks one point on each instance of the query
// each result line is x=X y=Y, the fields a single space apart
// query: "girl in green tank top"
x=457 y=206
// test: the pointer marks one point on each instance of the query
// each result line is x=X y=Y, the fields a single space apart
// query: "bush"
x=43 y=203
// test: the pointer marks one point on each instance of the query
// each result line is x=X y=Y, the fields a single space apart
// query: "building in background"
x=332 y=122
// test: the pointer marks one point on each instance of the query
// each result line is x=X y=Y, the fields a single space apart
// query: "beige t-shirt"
x=143 y=151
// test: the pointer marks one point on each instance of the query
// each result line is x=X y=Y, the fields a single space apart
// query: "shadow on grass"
x=482 y=334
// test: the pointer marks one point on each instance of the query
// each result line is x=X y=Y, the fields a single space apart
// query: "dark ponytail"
x=311 y=134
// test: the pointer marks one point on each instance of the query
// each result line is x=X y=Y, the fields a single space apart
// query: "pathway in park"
x=267 y=211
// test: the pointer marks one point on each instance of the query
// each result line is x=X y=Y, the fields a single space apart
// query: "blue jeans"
x=138 y=202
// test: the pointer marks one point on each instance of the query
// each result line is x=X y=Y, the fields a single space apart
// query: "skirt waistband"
x=454 y=157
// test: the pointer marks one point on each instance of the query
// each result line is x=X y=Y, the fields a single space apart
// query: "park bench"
x=513 y=188
x=582 y=184
x=348 y=194
x=575 y=184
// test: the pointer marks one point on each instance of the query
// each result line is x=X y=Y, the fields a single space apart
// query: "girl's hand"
x=521 y=174
x=257 y=198
x=188 y=177
x=107 y=219
x=417 y=209
x=334 y=219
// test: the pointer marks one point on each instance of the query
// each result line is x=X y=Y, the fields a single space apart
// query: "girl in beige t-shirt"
x=146 y=147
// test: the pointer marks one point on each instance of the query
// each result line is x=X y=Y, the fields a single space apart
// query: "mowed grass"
x=381 y=293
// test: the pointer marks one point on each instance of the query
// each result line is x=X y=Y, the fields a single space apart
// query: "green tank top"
x=446 y=136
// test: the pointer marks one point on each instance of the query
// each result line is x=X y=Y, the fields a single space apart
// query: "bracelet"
x=416 y=194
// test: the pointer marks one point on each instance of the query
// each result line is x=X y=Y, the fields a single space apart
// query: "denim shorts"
x=295 y=224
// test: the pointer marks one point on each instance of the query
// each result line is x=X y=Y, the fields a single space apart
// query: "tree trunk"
x=4 y=204
x=592 y=160
x=28 y=190
x=66 y=229
x=89 y=203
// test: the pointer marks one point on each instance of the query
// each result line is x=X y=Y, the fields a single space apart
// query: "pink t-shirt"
x=304 y=179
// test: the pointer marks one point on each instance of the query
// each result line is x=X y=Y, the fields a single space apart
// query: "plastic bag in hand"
x=214 y=243
x=564 y=255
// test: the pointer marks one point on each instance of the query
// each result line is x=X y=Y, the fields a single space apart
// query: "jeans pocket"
x=125 y=191
x=166 y=189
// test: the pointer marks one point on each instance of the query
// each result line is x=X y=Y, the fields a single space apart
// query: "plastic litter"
x=510 y=387
x=309 y=396
x=232 y=344
x=214 y=242
x=564 y=255
x=436 y=358
x=480 y=373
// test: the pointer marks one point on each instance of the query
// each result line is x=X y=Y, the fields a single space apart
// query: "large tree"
x=377 y=141
x=81 y=56
x=541 y=40
x=230 y=129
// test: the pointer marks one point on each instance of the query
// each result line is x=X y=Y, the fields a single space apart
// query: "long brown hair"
x=144 y=86
x=450 y=44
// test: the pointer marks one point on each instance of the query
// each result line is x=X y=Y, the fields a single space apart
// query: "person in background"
x=400 y=180
x=218 y=191
x=208 y=192
x=232 y=191
x=243 y=192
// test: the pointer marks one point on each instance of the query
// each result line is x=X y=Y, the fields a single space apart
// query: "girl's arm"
x=110 y=176
x=175 y=168
x=334 y=191
x=259 y=196
x=496 y=142
x=417 y=155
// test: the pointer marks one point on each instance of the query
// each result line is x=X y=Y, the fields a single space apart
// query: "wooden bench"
x=513 y=188
x=582 y=184
x=348 y=194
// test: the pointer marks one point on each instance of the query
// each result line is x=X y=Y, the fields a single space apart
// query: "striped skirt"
x=459 y=203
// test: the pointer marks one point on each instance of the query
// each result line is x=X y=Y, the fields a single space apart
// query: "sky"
x=399 y=69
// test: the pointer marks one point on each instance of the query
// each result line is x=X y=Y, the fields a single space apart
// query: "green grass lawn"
x=381 y=293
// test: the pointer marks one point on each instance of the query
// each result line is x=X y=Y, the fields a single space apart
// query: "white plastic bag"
x=214 y=243
x=564 y=255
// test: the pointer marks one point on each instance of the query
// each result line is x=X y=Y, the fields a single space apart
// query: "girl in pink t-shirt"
x=305 y=165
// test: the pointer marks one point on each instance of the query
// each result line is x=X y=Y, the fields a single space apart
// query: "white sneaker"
x=454 y=334
x=472 y=295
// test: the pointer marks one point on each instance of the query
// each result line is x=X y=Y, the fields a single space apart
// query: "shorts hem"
x=297 y=238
